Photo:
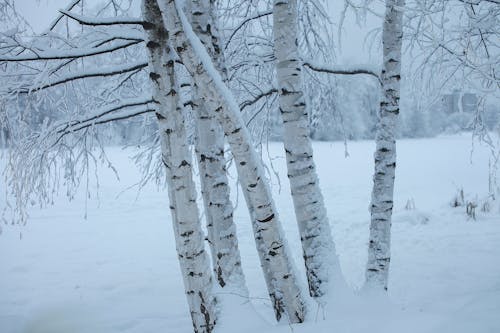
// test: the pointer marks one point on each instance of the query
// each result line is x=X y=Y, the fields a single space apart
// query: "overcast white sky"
x=40 y=13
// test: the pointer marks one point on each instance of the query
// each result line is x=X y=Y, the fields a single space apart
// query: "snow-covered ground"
x=117 y=270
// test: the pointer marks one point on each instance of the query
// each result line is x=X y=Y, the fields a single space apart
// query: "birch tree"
x=379 y=257
x=193 y=259
x=273 y=252
x=221 y=228
x=315 y=234
x=42 y=150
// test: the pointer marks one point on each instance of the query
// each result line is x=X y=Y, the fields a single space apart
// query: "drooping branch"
x=101 y=72
x=115 y=117
x=105 y=115
x=106 y=111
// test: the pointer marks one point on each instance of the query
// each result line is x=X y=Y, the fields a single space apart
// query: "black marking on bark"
x=308 y=237
x=187 y=233
x=152 y=45
x=267 y=219
x=220 y=278
x=205 y=313
x=148 y=25
x=154 y=76
x=277 y=306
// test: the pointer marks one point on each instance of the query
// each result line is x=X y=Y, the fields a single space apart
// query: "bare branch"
x=256 y=98
x=244 y=22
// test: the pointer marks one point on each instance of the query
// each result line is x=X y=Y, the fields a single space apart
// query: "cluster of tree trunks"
x=188 y=37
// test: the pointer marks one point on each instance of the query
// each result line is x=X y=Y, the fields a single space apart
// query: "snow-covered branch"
x=100 y=72
x=133 y=107
x=70 y=54
x=133 y=112
x=95 y=21
x=60 y=16
x=99 y=114
x=344 y=69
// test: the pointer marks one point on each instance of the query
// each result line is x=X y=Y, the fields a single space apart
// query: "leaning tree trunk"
x=193 y=260
x=221 y=228
x=222 y=238
x=271 y=245
x=315 y=234
x=379 y=256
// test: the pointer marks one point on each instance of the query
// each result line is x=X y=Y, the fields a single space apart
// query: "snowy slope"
x=117 y=271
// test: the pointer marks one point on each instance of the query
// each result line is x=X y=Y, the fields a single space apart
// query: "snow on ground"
x=117 y=270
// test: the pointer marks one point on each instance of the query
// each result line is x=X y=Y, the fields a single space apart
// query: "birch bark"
x=226 y=259
x=379 y=256
x=271 y=244
x=193 y=259
x=315 y=234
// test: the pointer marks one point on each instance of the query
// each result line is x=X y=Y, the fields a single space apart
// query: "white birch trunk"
x=379 y=256
x=221 y=229
x=193 y=259
x=278 y=268
x=222 y=238
x=315 y=234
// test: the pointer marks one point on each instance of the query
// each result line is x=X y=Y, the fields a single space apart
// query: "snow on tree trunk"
x=273 y=251
x=379 y=257
x=315 y=234
x=221 y=229
x=214 y=183
x=193 y=259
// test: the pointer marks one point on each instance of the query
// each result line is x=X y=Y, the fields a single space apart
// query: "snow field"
x=117 y=271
